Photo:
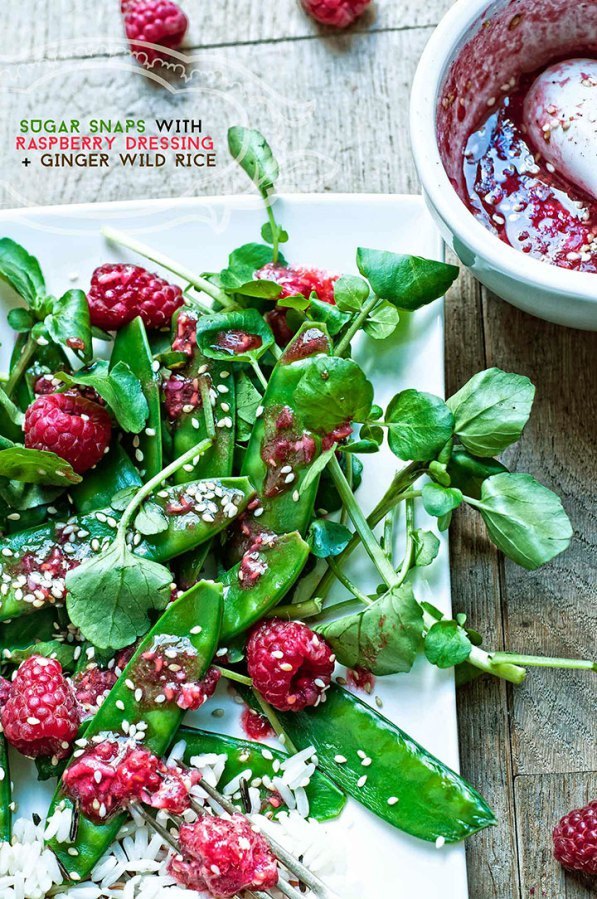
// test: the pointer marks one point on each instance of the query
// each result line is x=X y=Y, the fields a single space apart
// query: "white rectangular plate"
x=324 y=231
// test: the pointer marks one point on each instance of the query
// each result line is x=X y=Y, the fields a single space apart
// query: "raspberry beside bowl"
x=504 y=38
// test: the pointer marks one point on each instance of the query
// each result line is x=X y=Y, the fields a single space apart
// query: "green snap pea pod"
x=213 y=386
x=281 y=563
x=5 y=793
x=23 y=632
x=131 y=346
x=405 y=785
x=286 y=507
x=185 y=531
x=29 y=518
x=326 y=801
x=194 y=618
x=115 y=472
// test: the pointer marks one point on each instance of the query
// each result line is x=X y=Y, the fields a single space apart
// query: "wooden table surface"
x=335 y=109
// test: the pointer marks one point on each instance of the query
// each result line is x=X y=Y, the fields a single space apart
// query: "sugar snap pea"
x=5 y=793
x=131 y=346
x=193 y=622
x=277 y=564
x=326 y=801
x=195 y=513
x=281 y=449
x=115 y=472
x=403 y=784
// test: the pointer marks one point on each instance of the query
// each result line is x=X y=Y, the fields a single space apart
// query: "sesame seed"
x=224 y=374
x=150 y=432
x=73 y=874
x=340 y=759
x=440 y=842
x=267 y=755
x=286 y=666
x=366 y=762
x=362 y=781
x=392 y=800
x=33 y=721
x=277 y=654
x=361 y=754
x=197 y=629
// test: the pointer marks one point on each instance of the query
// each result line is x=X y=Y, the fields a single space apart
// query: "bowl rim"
x=449 y=35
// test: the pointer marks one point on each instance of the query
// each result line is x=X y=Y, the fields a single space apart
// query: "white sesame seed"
x=33 y=721
x=197 y=629
x=277 y=654
x=362 y=781
x=440 y=842
x=366 y=762
x=340 y=759
x=392 y=800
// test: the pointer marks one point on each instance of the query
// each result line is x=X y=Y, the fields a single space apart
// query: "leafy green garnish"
x=328 y=538
x=447 y=644
x=426 y=547
x=467 y=472
x=119 y=387
x=248 y=400
x=22 y=271
x=440 y=501
x=69 y=325
x=408 y=282
x=331 y=392
x=212 y=331
x=35 y=466
x=420 y=425
x=350 y=292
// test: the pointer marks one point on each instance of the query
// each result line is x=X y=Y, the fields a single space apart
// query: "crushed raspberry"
x=47 y=383
x=160 y=22
x=181 y=395
x=575 y=840
x=338 y=435
x=300 y=280
x=252 y=567
x=361 y=679
x=91 y=688
x=235 y=341
x=283 y=450
x=224 y=856
x=337 y=13
x=114 y=772
x=255 y=725
x=41 y=714
x=290 y=665
x=311 y=342
x=186 y=333
x=120 y=292
x=74 y=428
x=169 y=672
x=276 y=319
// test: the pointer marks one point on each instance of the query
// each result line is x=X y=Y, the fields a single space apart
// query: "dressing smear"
x=530 y=168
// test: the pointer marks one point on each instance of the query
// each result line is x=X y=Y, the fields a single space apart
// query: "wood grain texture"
x=335 y=110
x=545 y=798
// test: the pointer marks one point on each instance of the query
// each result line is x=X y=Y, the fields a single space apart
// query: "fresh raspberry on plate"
x=575 y=839
x=291 y=666
x=120 y=292
x=299 y=279
x=41 y=715
x=224 y=856
x=69 y=425
x=160 y=22
x=337 y=13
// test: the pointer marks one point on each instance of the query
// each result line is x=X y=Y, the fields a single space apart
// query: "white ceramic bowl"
x=474 y=51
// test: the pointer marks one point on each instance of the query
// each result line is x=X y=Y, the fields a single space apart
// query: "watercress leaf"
x=151 y=519
x=316 y=468
x=21 y=496
x=426 y=547
x=331 y=392
x=408 y=282
x=420 y=425
x=432 y=610
x=384 y=638
x=69 y=325
x=524 y=518
x=260 y=289
x=444 y=521
x=330 y=315
x=21 y=270
x=240 y=336
x=440 y=501
x=20 y=319
x=328 y=538
x=447 y=644
x=491 y=410
x=119 y=387
x=250 y=257
x=360 y=446
x=11 y=411
x=298 y=302
x=268 y=234
x=376 y=412
x=467 y=472
x=36 y=467
x=439 y=472
x=372 y=432
x=382 y=321
x=110 y=596
x=122 y=498
x=253 y=153
x=350 y=292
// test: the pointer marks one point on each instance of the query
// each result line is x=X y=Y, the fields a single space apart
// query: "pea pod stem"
x=196 y=281
x=148 y=488
x=356 y=324
x=543 y=661
x=21 y=366
x=308 y=609
x=234 y=676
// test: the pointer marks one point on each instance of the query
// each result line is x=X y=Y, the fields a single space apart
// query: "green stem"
x=274 y=228
x=196 y=303
x=346 y=582
x=260 y=376
x=21 y=366
x=410 y=543
x=347 y=606
x=349 y=478
x=155 y=481
x=196 y=281
x=543 y=661
x=208 y=413
x=372 y=547
x=355 y=325
x=298 y=610
x=232 y=675
x=275 y=722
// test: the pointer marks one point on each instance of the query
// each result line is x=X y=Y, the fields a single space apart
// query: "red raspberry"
x=290 y=665
x=224 y=856
x=300 y=280
x=91 y=688
x=154 y=22
x=41 y=716
x=70 y=426
x=5 y=686
x=338 y=13
x=575 y=839
x=120 y=292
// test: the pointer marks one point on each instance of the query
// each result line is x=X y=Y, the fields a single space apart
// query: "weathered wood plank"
x=541 y=801
x=342 y=126
x=482 y=705
x=552 y=611
x=67 y=29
